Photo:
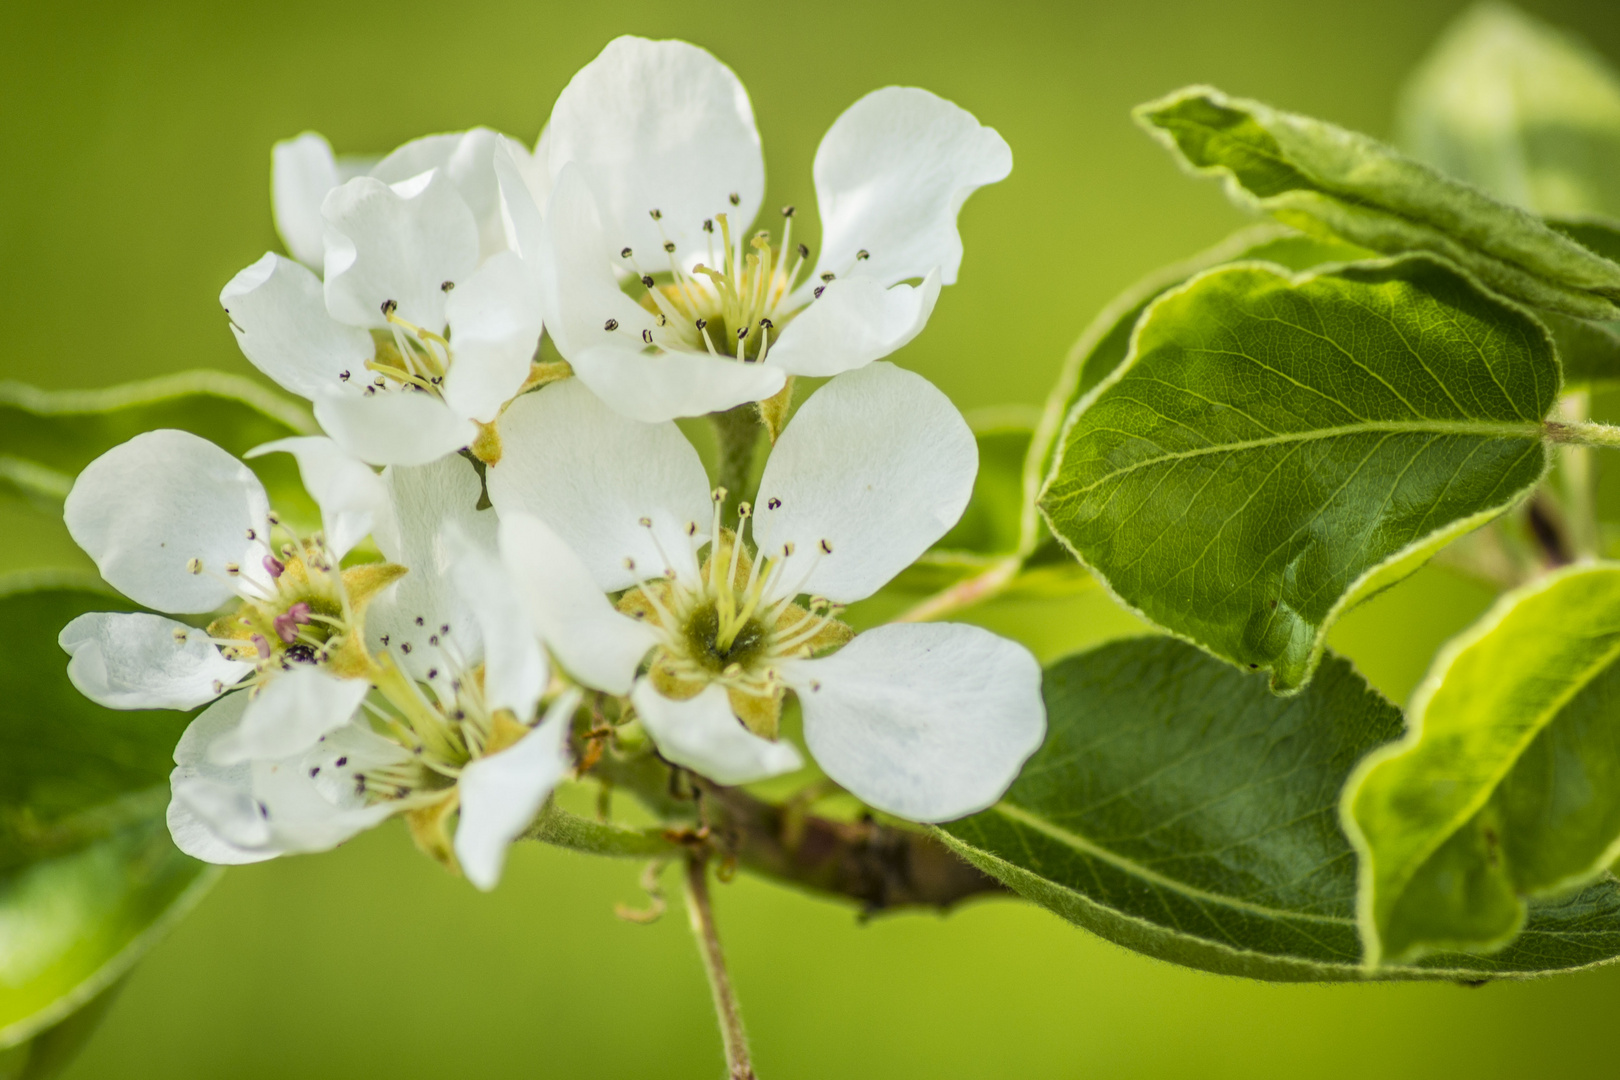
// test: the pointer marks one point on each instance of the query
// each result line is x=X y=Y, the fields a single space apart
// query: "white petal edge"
x=467 y=158
x=590 y=639
x=655 y=387
x=592 y=475
x=289 y=715
x=515 y=670
x=351 y=496
x=502 y=793
x=929 y=721
x=891 y=175
x=278 y=315
x=393 y=427
x=854 y=322
x=208 y=799
x=659 y=125
x=146 y=507
x=495 y=329
x=398 y=242
x=581 y=302
x=135 y=661
x=704 y=735
x=302 y=171
x=878 y=464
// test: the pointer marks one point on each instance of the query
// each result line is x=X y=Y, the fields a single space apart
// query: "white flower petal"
x=134 y=661
x=399 y=243
x=891 y=174
x=878 y=464
x=289 y=715
x=595 y=643
x=278 y=314
x=515 y=671
x=581 y=303
x=593 y=475
x=302 y=171
x=855 y=321
x=352 y=498
x=467 y=158
x=302 y=816
x=930 y=721
x=524 y=186
x=660 y=125
x=495 y=326
x=393 y=427
x=193 y=835
x=654 y=387
x=227 y=810
x=501 y=794
x=146 y=507
x=209 y=802
x=704 y=735
x=426 y=500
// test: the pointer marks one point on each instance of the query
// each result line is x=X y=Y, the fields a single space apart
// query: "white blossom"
x=926 y=721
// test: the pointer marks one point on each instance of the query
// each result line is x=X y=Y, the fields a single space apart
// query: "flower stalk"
x=700 y=911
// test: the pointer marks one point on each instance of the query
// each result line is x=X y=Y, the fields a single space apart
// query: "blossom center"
x=407 y=357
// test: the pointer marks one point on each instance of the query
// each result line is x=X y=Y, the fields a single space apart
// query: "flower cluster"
x=542 y=558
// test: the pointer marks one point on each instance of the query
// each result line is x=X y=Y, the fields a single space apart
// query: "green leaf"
x=1277 y=449
x=1324 y=179
x=1519 y=109
x=1180 y=810
x=88 y=875
x=47 y=436
x=1104 y=343
x=1507 y=784
x=50 y=1052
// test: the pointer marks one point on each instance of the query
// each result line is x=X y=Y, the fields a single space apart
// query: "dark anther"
x=444 y=629
x=264 y=811
x=646 y=279
x=708 y=225
x=419 y=620
x=657 y=215
x=646 y=335
x=624 y=253
x=669 y=245
x=828 y=277
x=826 y=548
x=862 y=254
x=385 y=641
x=702 y=323
x=787 y=211
x=316 y=771
x=736 y=199
x=611 y=325
x=742 y=332
x=405 y=647
x=816 y=295
x=389 y=307
x=774 y=504
x=433 y=673
x=433 y=639
x=446 y=286
x=343 y=376
x=804 y=251
x=342 y=761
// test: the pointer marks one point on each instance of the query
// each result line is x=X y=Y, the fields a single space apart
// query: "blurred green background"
x=135 y=183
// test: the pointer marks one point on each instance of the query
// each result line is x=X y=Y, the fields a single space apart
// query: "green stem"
x=559 y=827
x=737 y=431
x=701 y=912
x=1583 y=433
x=1578 y=483
x=975 y=590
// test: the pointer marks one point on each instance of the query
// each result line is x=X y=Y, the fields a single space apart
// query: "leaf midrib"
x=1479 y=429
x=1093 y=850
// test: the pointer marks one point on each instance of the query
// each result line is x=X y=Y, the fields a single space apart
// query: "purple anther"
x=274 y=566
x=288 y=622
x=261 y=645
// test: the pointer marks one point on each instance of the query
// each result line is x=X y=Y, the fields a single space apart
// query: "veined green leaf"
x=88 y=876
x=1588 y=350
x=1325 y=179
x=1507 y=784
x=47 y=436
x=1180 y=810
x=1276 y=449
x=1104 y=343
x=1521 y=110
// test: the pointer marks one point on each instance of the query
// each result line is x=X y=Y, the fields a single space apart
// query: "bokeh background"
x=134 y=182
